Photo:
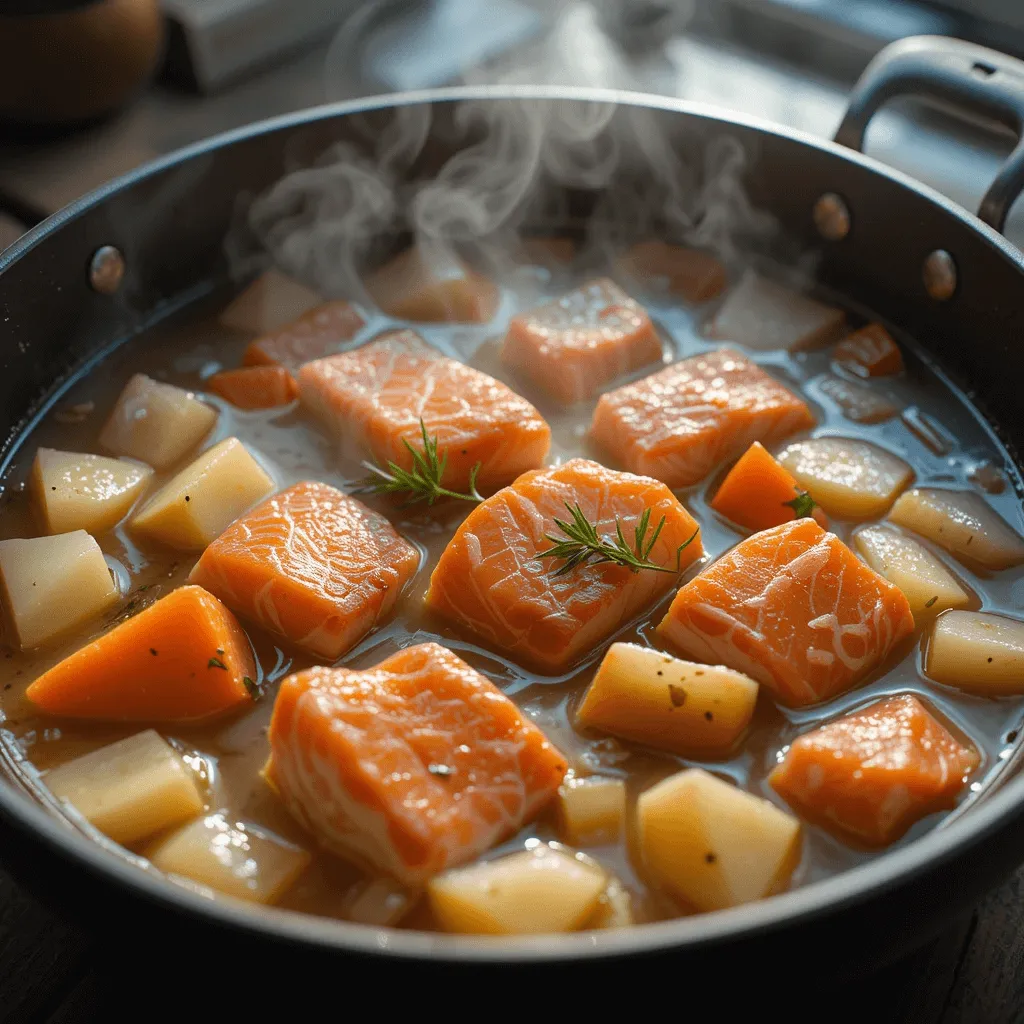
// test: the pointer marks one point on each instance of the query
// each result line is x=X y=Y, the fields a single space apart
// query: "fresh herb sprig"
x=423 y=481
x=802 y=505
x=582 y=544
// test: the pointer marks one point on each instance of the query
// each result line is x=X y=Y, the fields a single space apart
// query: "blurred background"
x=89 y=90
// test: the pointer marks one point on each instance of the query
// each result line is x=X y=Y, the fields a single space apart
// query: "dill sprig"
x=423 y=481
x=802 y=505
x=582 y=544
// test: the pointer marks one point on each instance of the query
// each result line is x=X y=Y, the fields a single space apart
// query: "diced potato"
x=84 y=492
x=978 y=652
x=847 y=478
x=194 y=507
x=271 y=301
x=614 y=908
x=52 y=584
x=156 y=423
x=680 y=706
x=928 y=585
x=963 y=523
x=381 y=902
x=592 y=809
x=131 y=789
x=530 y=893
x=712 y=844
x=233 y=857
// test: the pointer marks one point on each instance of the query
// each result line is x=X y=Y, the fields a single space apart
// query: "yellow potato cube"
x=977 y=652
x=592 y=809
x=198 y=504
x=680 y=706
x=714 y=845
x=84 y=492
x=538 y=891
x=233 y=857
x=131 y=789
x=52 y=584
x=847 y=478
x=271 y=301
x=156 y=423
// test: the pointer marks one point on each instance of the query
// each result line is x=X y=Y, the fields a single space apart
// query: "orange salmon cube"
x=411 y=767
x=871 y=774
x=573 y=347
x=490 y=581
x=255 y=387
x=318 y=333
x=794 y=608
x=310 y=565
x=679 y=423
x=185 y=657
x=376 y=396
x=869 y=352
x=696 y=276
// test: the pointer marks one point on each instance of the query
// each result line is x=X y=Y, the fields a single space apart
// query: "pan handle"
x=972 y=78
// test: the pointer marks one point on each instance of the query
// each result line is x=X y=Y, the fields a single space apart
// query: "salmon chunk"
x=317 y=333
x=411 y=767
x=490 y=581
x=310 y=565
x=679 y=423
x=793 y=608
x=573 y=347
x=869 y=352
x=871 y=774
x=375 y=397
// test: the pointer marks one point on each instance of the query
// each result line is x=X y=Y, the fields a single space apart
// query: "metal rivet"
x=106 y=270
x=832 y=217
x=940 y=275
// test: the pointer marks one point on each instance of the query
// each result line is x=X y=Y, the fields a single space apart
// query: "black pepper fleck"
x=7 y=686
x=710 y=858
x=187 y=498
x=931 y=601
x=153 y=651
x=990 y=661
x=660 y=673
x=53 y=488
x=710 y=717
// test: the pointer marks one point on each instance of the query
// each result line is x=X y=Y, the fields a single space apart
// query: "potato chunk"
x=271 y=301
x=592 y=809
x=712 y=844
x=538 y=891
x=84 y=492
x=233 y=857
x=977 y=652
x=680 y=706
x=614 y=908
x=131 y=789
x=928 y=585
x=198 y=504
x=52 y=584
x=961 y=522
x=847 y=478
x=156 y=423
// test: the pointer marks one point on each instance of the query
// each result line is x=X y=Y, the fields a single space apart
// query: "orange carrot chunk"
x=315 y=334
x=871 y=774
x=411 y=767
x=255 y=387
x=869 y=352
x=183 y=658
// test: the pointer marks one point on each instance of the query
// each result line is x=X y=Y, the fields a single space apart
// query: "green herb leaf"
x=802 y=505
x=216 y=663
x=253 y=687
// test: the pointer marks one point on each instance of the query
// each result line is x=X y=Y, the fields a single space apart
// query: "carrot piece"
x=255 y=387
x=315 y=334
x=869 y=352
x=184 y=657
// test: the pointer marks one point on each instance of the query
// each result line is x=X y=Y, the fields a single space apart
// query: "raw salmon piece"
x=255 y=387
x=873 y=773
x=310 y=565
x=696 y=276
x=490 y=581
x=679 y=423
x=869 y=352
x=414 y=766
x=793 y=608
x=573 y=347
x=318 y=333
x=375 y=397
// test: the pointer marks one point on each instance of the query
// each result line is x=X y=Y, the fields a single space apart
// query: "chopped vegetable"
x=232 y=857
x=53 y=584
x=156 y=423
x=848 y=478
x=977 y=652
x=793 y=608
x=255 y=387
x=381 y=902
x=84 y=492
x=871 y=774
x=199 y=503
x=712 y=844
x=928 y=585
x=857 y=402
x=155 y=666
x=536 y=892
x=963 y=523
x=270 y=301
x=652 y=698
x=614 y=908
x=318 y=332
x=592 y=810
x=696 y=276
x=869 y=352
x=129 y=790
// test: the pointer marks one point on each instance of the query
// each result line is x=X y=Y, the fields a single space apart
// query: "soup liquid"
x=229 y=753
